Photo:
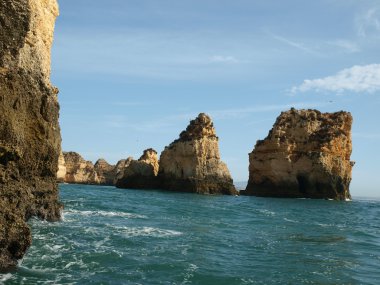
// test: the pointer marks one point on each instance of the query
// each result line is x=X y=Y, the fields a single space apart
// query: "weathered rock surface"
x=29 y=131
x=61 y=173
x=192 y=162
x=306 y=154
x=120 y=167
x=105 y=172
x=78 y=170
x=142 y=173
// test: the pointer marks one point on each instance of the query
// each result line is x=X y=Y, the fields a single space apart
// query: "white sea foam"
x=5 y=277
x=148 y=232
x=104 y=214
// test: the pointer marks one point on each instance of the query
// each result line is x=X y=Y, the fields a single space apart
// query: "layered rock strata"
x=29 y=131
x=78 y=170
x=192 y=162
x=306 y=154
x=141 y=173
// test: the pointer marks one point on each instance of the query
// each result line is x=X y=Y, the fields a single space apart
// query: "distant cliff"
x=73 y=168
x=29 y=131
x=192 y=162
x=142 y=173
x=306 y=154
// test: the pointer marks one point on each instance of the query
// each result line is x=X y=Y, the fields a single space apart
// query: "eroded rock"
x=29 y=131
x=306 y=154
x=192 y=162
x=141 y=173
x=78 y=170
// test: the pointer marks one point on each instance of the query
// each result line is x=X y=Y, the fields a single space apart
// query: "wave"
x=147 y=232
x=5 y=277
x=103 y=214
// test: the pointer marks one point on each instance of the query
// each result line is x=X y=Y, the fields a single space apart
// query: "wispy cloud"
x=345 y=45
x=369 y=22
x=295 y=44
x=359 y=78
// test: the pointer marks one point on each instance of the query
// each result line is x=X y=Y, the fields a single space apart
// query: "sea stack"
x=141 y=173
x=192 y=162
x=305 y=155
x=78 y=170
x=105 y=172
x=29 y=132
x=61 y=173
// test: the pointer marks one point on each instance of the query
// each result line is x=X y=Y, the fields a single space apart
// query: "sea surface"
x=118 y=236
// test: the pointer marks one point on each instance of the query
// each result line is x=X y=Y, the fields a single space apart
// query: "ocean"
x=119 y=236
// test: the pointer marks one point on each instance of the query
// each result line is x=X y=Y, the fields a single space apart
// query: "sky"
x=133 y=73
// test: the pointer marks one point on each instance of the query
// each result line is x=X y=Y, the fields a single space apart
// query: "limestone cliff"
x=120 y=167
x=29 y=131
x=192 y=162
x=142 y=173
x=61 y=173
x=78 y=170
x=105 y=172
x=306 y=154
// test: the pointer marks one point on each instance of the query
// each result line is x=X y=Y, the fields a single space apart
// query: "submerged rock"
x=141 y=173
x=306 y=154
x=192 y=162
x=78 y=170
x=29 y=131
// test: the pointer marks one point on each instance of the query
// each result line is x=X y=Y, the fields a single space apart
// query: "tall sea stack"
x=192 y=162
x=306 y=154
x=29 y=131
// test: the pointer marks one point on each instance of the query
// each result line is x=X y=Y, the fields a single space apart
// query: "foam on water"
x=142 y=237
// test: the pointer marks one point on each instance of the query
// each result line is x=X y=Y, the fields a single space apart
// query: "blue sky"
x=132 y=74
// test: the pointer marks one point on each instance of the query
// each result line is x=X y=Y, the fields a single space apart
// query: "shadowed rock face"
x=192 y=162
x=142 y=173
x=306 y=154
x=29 y=131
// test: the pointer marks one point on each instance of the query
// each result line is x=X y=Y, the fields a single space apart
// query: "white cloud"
x=359 y=78
x=369 y=22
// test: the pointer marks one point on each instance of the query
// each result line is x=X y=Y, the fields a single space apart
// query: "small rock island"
x=192 y=162
x=306 y=154
x=141 y=173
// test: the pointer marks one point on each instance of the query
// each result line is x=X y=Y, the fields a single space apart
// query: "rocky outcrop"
x=105 y=172
x=29 y=131
x=142 y=173
x=192 y=162
x=120 y=167
x=61 y=173
x=306 y=154
x=78 y=170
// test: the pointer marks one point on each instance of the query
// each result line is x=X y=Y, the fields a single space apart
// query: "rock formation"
x=306 y=154
x=192 y=162
x=120 y=167
x=29 y=131
x=78 y=170
x=61 y=173
x=105 y=172
x=142 y=173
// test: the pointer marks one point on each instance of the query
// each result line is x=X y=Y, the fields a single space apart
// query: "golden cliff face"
x=192 y=162
x=78 y=170
x=306 y=154
x=29 y=131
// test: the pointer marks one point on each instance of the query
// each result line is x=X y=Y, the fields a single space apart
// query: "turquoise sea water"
x=115 y=236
